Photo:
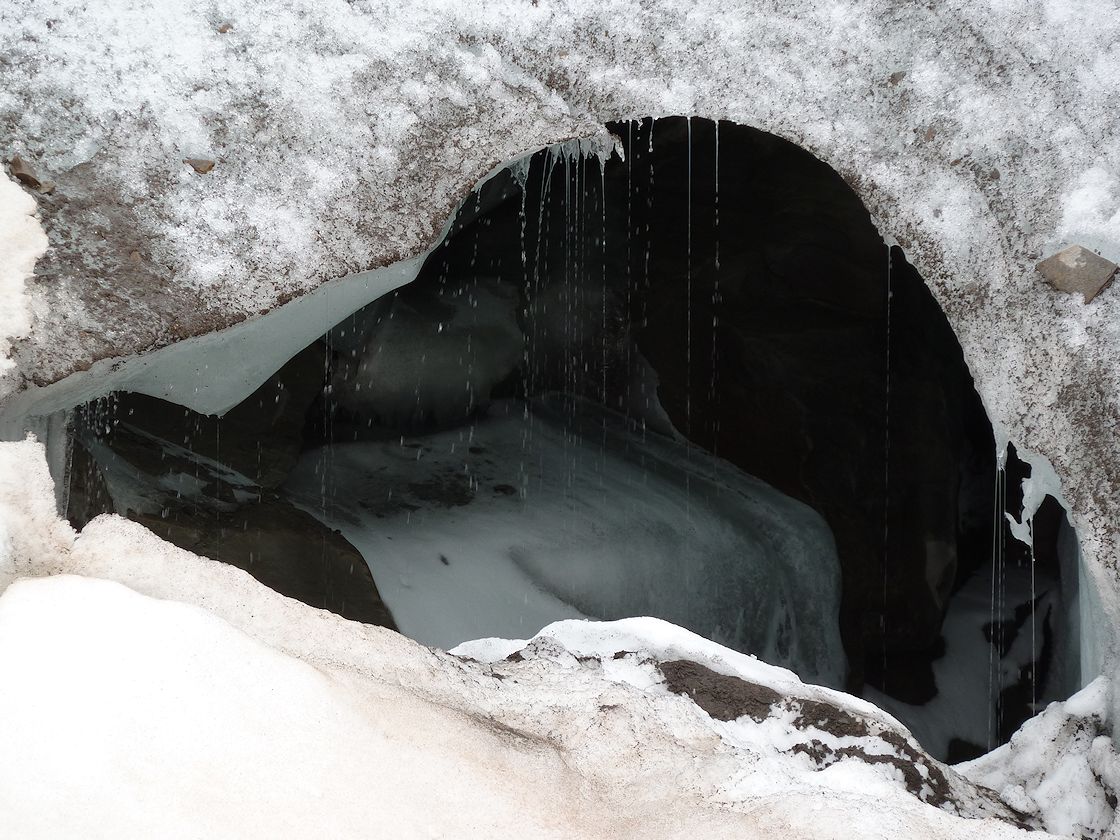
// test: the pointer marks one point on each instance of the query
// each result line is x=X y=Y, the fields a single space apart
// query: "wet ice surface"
x=988 y=649
x=516 y=522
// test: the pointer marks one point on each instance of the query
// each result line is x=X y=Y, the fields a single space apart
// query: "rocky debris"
x=1078 y=270
x=200 y=165
x=828 y=729
x=22 y=172
x=722 y=697
x=284 y=548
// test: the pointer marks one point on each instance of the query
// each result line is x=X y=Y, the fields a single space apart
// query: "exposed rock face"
x=285 y=549
x=207 y=484
x=730 y=698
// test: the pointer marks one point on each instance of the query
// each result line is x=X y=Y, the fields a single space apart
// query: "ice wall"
x=537 y=513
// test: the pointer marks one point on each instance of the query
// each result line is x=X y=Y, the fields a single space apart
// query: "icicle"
x=717 y=204
x=603 y=267
x=997 y=526
x=519 y=169
x=713 y=391
x=629 y=232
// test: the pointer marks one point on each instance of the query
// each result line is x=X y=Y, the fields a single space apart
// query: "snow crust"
x=179 y=697
x=1061 y=766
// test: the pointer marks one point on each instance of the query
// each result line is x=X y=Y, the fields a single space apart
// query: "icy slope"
x=534 y=514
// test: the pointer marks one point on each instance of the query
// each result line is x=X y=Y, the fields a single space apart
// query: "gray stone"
x=1077 y=269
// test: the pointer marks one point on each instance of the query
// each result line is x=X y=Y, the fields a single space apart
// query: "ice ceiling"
x=686 y=380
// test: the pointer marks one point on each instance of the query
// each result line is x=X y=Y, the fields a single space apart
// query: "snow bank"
x=129 y=717
x=1062 y=766
x=193 y=712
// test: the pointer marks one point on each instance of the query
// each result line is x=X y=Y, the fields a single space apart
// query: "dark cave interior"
x=719 y=288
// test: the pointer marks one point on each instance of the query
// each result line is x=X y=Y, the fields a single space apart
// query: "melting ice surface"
x=561 y=510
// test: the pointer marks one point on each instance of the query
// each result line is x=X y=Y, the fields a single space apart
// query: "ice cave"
x=687 y=380
x=545 y=420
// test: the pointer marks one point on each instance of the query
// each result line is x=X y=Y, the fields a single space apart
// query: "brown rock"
x=721 y=696
x=1077 y=269
x=284 y=548
x=200 y=165
x=23 y=173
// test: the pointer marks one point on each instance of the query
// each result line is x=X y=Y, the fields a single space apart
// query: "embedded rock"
x=1077 y=270
x=285 y=549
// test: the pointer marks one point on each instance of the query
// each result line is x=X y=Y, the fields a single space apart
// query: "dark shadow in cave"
x=716 y=307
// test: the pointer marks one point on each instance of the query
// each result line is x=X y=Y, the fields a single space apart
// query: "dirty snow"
x=1062 y=766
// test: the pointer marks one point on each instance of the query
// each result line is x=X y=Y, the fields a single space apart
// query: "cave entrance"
x=690 y=381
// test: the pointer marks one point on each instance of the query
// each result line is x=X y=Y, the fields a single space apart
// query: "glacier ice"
x=560 y=509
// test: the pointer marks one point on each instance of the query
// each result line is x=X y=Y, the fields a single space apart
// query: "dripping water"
x=886 y=467
x=688 y=330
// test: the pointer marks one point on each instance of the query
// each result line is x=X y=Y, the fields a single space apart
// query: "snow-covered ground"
x=534 y=514
x=1061 y=766
x=150 y=692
